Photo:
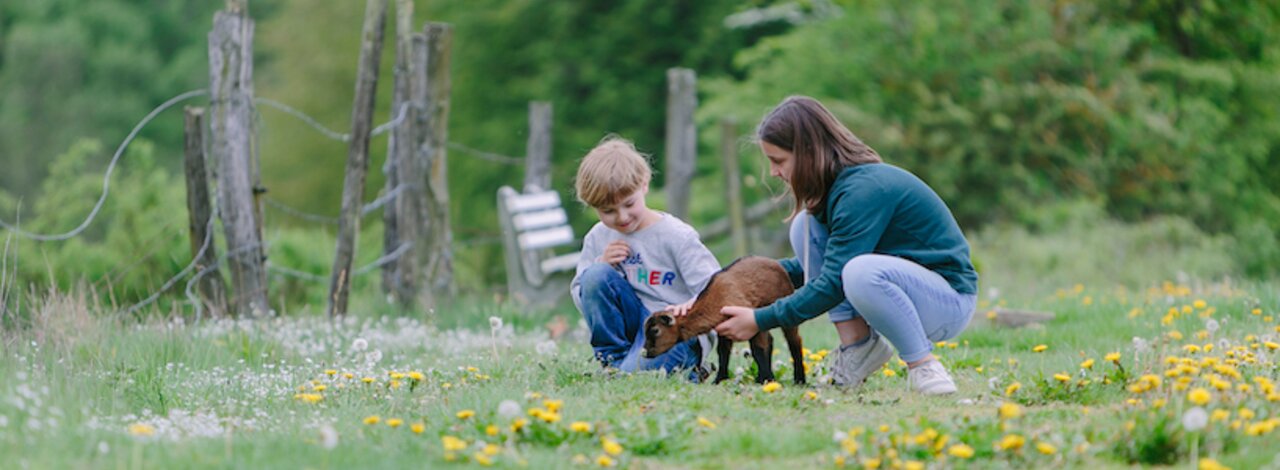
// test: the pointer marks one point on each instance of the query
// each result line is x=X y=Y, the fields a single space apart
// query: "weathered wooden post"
x=733 y=186
x=212 y=292
x=537 y=158
x=438 y=275
x=400 y=217
x=375 y=21
x=231 y=96
x=682 y=140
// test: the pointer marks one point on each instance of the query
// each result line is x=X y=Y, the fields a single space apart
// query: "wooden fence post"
x=212 y=291
x=733 y=186
x=438 y=275
x=537 y=158
x=231 y=98
x=375 y=21
x=682 y=140
x=399 y=217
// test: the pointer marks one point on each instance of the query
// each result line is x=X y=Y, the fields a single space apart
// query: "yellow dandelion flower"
x=811 y=395
x=580 y=426
x=771 y=387
x=330 y=372
x=1272 y=345
x=871 y=464
x=417 y=376
x=1112 y=357
x=1175 y=335
x=466 y=414
x=142 y=430
x=913 y=465
x=372 y=419
x=451 y=443
x=706 y=423
x=395 y=422
x=311 y=398
x=550 y=417
x=605 y=461
x=418 y=428
x=491 y=449
x=1199 y=396
x=348 y=375
x=1087 y=364
x=1256 y=311
x=1210 y=464
x=961 y=451
x=1088 y=300
x=1012 y=388
x=320 y=388
x=482 y=459
x=1009 y=410
x=395 y=375
x=1046 y=448
x=553 y=405
x=1040 y=348
x=610 y=446
x=491 y=430
x=367 y=380
x=1011 y=442
x=518 y=424
x=1061 y=377
x=890 y=373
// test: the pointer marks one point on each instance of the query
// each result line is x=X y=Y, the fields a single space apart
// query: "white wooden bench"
x=534 y=228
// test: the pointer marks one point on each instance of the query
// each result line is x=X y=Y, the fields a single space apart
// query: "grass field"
x=1107 y=383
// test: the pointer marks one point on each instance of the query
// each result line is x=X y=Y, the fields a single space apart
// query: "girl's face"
x=629 y=215
x=781 y=162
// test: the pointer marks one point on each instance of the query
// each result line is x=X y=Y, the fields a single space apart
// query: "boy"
x=634 y=262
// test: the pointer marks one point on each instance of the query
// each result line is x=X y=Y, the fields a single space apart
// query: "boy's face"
x=629 y=215
x=781 y=162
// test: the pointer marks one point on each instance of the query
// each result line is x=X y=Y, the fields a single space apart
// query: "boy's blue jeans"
x=616 y=318
x=907 y=303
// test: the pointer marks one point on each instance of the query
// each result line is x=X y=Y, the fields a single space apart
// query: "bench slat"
x=563 y=262
x=541 y=219
x=532 y=202
x=546 y=238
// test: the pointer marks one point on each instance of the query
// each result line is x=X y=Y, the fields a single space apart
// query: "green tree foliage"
x=1006 y=106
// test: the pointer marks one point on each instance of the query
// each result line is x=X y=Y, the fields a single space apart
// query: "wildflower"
x=395 y=422
x=328 y=437
x=1112 y=357
x=372 y=419
x=913 y=465
x=1175 y=335
x=508 y=409
x=1256 y=311
x=1040 y=348
x=961 y=451
x=491 y=430
x=310 y=398
x=1199 y=304
x=330 y=372
x=1011 y=442
x=348 y=375
x=360 y=344
x=605 y=461
x=491 y=449
x=417 y=376
x=142 y=430
x=1272 y=345
x=451 y=443
x=610 y=446
x=580 y=426
x=466 y=414
x=810 y=395
x=890 y=373
x=519 y=424
x=1210 y=464
x=417 y=428
x=495 y=323
x=1013 y=387
x=706 y=423
x=320 y=388
x=771 y=387
x=1061 y=377
x=1046 y=448
x=1219 y=415
x=367 y=380
x=553 y=405
x=1195 y=419
x=1009 y=410
x=1087 y=364
x=482 y=459
x=1199 y=396
x=871 y=464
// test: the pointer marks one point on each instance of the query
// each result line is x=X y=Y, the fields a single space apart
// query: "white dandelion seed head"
x=509 y=409
x=373 y=356
x=1195 y=419
x=993 y=382
x=993 y=293
x=360 y=344
x=839 y=436
x=547 y=348
x=328 y=437
x=103 y=447
x=495 y=323
x=1211 y=325
x=1139 y=344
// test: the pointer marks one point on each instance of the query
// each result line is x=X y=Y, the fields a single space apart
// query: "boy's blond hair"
x=610 y=172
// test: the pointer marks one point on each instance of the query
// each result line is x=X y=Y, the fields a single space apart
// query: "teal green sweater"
x=875 y=208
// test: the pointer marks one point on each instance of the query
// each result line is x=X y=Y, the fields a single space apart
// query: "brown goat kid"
x=751 y=281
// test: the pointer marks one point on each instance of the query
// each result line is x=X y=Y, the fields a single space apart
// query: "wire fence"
x=208 y=242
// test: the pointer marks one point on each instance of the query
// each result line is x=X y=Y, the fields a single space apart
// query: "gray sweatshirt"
x=668 y=264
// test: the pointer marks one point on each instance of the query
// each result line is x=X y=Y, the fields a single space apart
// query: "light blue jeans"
x=615 y=316
x=905 y=302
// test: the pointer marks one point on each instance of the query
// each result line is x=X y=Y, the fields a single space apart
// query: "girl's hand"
x=741 y=324
x=617 y=251
x=680 y=310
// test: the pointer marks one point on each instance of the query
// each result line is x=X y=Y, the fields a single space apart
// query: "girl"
x=875 y=246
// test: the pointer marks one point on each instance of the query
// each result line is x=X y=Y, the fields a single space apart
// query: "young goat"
x=753 y=282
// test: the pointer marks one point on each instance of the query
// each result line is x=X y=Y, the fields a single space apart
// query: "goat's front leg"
x=724 y=349
x=762 y=352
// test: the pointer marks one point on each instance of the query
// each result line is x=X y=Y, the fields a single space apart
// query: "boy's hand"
x=741 y=324
x=617 y=251
x=680 y=310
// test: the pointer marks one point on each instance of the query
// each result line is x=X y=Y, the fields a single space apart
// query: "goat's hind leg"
x=724 y=349
x=762 y=352
x=794 y=344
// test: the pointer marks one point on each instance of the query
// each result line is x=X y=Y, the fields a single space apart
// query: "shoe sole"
x=880 y=362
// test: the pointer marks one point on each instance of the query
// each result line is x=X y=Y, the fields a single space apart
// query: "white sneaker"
x=852 y=365
x=931 y=378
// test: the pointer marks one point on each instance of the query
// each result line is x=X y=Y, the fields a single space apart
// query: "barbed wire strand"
x=106 y=178
x=204 y=246
x=323 y=219
x=332 y=134
x=366 y=269
x=490 y=156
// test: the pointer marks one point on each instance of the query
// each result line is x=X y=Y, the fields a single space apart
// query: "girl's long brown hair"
x=821 y=145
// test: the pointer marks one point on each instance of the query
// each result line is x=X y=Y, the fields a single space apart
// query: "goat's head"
x=660 y=334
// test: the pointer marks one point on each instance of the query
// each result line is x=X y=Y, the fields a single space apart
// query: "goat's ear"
x=666 y=320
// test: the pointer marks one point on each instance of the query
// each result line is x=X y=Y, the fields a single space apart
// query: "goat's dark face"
x=660 y=334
